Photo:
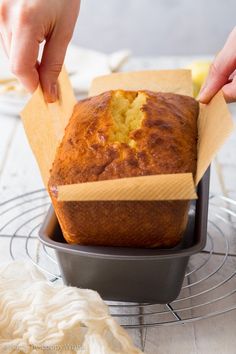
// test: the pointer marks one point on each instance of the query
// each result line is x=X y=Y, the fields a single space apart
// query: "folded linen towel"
x=40 y=317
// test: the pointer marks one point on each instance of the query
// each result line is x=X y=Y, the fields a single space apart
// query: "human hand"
x=24 y=24
x=222 y=73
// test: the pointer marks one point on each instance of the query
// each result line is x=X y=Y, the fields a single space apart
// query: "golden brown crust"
x=124 y=224
x=165 y=143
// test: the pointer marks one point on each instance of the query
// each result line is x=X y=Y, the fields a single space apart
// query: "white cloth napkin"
x=84 y=65
x=39 y=317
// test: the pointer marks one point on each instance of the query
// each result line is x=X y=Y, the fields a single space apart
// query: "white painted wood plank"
x=21 y=173
x=215 y=183
x=175 y=339
x=216 y=335
x=226 y=155
x=226 y=161
x=7 y=127
x=171 y=340
x=229 y=175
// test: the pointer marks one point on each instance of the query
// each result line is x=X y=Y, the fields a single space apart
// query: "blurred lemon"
x=200 y=71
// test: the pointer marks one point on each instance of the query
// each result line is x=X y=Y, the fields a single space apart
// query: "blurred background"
x=155 y=27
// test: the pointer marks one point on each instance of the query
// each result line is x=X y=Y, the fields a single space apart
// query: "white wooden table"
x=19 y=174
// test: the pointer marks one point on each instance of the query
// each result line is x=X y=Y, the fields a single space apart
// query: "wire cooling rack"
x=209 y=287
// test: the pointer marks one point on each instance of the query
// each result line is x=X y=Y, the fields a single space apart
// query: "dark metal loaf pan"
x=131 y=274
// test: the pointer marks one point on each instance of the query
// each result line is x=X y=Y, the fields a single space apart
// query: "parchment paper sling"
x=44 y=125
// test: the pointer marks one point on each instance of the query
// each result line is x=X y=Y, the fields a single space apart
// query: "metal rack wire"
x=209 y=287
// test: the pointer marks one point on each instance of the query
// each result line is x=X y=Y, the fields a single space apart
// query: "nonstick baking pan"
x=131 y=274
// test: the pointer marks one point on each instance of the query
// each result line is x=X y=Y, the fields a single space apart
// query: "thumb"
x=221 y=69
x=229 y=91
x=218 y=76
x=51 y=65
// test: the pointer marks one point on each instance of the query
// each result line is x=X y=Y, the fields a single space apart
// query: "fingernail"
x=201 y=93
x=52 y=95
x=199 y=96
x=203 y=88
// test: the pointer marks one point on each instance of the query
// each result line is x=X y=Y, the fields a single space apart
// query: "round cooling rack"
x=209 y=287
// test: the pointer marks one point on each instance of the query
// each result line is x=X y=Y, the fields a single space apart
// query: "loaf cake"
x=126 y=134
